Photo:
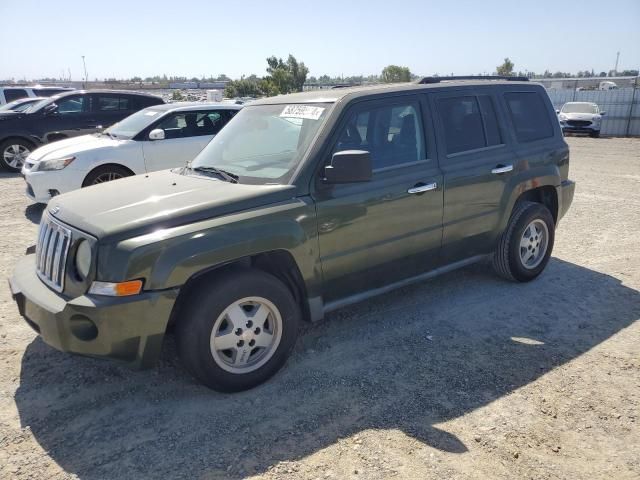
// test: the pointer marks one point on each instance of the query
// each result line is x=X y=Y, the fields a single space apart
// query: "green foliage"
x=177 y=96
x=506 y=69
x=394 y=74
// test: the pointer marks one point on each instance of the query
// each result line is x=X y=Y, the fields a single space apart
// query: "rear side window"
x=529 y=116
x=11 y=94
x=143 y=101
x=462 y=123
x=110 y=103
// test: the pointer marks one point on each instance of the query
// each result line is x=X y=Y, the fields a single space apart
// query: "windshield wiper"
x=227 y=176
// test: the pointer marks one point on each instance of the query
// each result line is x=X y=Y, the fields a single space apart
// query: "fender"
x=167 y=258
x=523 y=181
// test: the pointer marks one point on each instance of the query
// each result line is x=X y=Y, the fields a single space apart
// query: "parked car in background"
x=20 y=105
x=580 y=117
x=301 y=205
x=66 y=115
x=155 y=138
x=607 y=85
x=9 y=94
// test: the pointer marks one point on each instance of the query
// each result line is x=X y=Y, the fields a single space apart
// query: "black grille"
x=578 y=123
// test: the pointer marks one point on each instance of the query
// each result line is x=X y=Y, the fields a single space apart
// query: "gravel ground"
x=464 y=376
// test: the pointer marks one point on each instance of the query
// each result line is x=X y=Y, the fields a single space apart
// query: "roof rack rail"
x=472 y=77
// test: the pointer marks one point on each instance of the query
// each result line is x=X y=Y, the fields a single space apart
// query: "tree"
x=506 y=69
x=286 y=76
x=395 y=74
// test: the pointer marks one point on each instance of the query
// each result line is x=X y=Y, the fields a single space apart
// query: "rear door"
x=375 y=233
x=186 y=134
x=477 y=162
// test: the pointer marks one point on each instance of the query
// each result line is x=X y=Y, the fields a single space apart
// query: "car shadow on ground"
x=408 y=360
x=34 y=212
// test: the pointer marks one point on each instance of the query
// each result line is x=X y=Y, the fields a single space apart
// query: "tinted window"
x=462 y=123
x=529 y=115
x=391 y=134
x=11 y=94
x=191 y=124
x=107 y=104
x=71 y=105
x=144 y=101
x=491 y=130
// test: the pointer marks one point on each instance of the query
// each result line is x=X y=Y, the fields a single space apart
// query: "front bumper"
x=565 y=196
x=124 y=328
x=41 y=185
x=567 y=128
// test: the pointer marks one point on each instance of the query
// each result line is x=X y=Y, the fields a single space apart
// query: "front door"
x=185 y=135
x=72 y=117
x=375 y=233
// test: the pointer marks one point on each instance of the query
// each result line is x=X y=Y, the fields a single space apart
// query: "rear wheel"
x=236 y=331
x=106 y=173
x=13 y=153
x=526 y=244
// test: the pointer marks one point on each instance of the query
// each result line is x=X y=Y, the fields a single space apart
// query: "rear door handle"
x=422 y=187
x=500 y=169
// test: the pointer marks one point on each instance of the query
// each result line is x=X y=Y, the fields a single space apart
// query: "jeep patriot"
x=302 y=204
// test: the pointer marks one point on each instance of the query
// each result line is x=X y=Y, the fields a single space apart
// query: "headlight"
x=83 y=259
x=562 y=116
x=55 y=164
x=596 y=118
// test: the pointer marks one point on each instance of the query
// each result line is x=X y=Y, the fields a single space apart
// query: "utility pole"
x=86 y=78
x=615 y=70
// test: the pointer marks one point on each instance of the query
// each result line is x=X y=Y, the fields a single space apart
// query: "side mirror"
x=557 y=111
x=157 y=134
x=51 y=109
x=349 y=166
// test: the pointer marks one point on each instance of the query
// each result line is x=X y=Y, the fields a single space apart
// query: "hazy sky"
x=197 y=37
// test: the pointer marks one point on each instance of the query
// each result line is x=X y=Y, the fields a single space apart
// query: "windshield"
x=17 y=105
x=38 y=105
x=133 y=124
x=264 y=143
x=580 y=108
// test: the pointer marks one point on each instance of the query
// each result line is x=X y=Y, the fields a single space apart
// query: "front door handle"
x=500 y=169
x=422 y=187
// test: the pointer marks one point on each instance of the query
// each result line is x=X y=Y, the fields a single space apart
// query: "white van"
x=608 y=85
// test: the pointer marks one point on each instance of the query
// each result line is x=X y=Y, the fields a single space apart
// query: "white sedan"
x=156 y=138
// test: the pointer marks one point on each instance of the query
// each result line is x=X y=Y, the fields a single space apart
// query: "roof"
x=186 y=106
x=337 y=94
x=105 y=90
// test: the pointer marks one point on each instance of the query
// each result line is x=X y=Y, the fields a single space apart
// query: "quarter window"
x=391 y=134
x=529 y=115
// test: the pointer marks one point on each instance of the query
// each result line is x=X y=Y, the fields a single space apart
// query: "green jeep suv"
x=302 y=204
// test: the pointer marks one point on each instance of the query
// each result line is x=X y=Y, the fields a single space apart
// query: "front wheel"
x=525 y=246
x=105 y=173
x=595 y=134
x=237 y=330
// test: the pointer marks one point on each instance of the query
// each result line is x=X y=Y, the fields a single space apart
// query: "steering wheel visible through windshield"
x=263 y=144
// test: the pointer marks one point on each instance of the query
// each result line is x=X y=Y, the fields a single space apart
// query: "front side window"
x=70 y=105
x=529 y=116
x=264 y=144
x=391 y=134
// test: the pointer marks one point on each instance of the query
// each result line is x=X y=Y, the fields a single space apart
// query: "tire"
x=211 y=320
x=595 y=134
x=105 y=173
x=525 y=246
x=13 y=153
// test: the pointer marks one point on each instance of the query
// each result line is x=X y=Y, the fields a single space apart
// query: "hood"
x=142 y=204
x=73 y=146
x=11 y=115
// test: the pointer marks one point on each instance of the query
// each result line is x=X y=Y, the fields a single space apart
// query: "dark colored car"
x=62 y=116
x=301 y=205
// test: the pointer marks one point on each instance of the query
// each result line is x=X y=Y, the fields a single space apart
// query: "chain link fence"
x=622 y=107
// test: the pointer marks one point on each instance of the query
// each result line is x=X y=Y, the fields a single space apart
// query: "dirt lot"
x=465 y=376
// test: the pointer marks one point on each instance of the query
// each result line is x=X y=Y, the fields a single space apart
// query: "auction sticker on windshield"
x=302 y=111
